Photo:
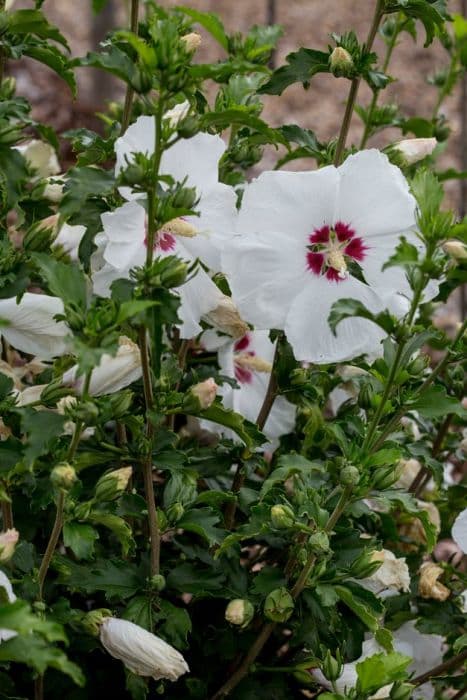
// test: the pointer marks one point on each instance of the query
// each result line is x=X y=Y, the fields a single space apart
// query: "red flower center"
x=332 y=249
x=242 y=374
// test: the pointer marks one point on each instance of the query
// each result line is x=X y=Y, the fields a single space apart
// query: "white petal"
x=198 y=158
x=69 y=237
x=307 y=327
x=6 y=585
x=138 y=138
x=459 y=531
x=198 y=297
x=125 y=231
x=374 y=196
x=32 y=327
x=41 y=156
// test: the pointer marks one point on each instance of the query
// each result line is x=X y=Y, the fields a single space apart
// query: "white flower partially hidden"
x=392 y=576
x=177 y=114
x=196 y=159
x=31 y=325
x=6 y=595
x=123 y=246
x=8 y=541
x=141 y=652
x=459 y=530
x=303 y=238
x=41 y=156
x=249 y=361
x=112 y=373
x=414 y=150
x=69 y=238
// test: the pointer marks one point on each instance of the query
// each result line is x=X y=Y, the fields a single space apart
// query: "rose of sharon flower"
x=392 y=576
x=141 y=652
x=426 y=651
x=6 y=596
x=196 y=159
x=41 y=156
x=123 y=246
x=249 y=361
x=459 y=530
x=205 y=392
x=31 y=325
x=305 y=237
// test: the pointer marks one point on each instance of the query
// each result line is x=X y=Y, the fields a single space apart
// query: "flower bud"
x=341 y=63
x=63 y=476
x=205 y=392
x=8 y=540
x=112 y=484
x=413 y=150
x=93 y=620
x=8 y=87
x=177 y=114
x=239 y=612
x=401 y=691
x=331 y=666
x=53 y=190
x=429 y=586
x=364 y=565
x=384 y=477
x=318 y=542
x=191 y=41
x=455 y=249
x=279 y=605
x=157 y=582
x=140 y=651
x=183 y=198
x=226 y=318
x=349 y=476
x=174 y=274
x=41 y=157
x=174 y=512
x=282 y=517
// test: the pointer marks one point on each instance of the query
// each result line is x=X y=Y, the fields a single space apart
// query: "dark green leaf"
x=65 y=281
x=351 y=308
x=302 y=66
x=381 y=669
x=288 y=466
x=210 y=22
x=80 y=538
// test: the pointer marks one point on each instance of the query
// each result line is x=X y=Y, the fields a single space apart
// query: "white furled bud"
x=41 y=156
x=413 y=150
x=192 y=41
x=225 y=318
x=177 y=114
x=8 y=541
x=455 y=249
x=140 y=651
x=239 y=612
x=205 y=392
x=341 y=63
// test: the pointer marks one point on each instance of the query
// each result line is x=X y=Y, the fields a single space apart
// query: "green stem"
x=7 y=514
x=340 y=148
x=52 y=543
x=130 y=93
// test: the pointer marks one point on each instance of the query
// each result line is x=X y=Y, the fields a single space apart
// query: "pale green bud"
x=319 y=542
x=239 y=612
x=157 y=582
x=341 y=63
x=332 y=667
x=63 y=476
x=279 y=605
x=282 y=517
x=93 y=620
x=113 y=484
x=349 y=475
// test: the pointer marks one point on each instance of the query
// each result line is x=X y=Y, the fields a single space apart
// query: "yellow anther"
x=252 y=362
x=179 y=227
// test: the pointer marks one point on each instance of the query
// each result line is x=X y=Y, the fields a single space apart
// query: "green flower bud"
x=39 y=606
x=63 y=476
x=174 y=274
x=8 y=88
x=162 y=520
x=53 y=392
x=282 y=517
x=331 y=666
x=385 y=477
x=239 y=612
x=134 y=174
x=349 y=476
x=188 y=127
x=184 y=198
x=364 y=565
x=112 y=484
x=157 y=582
x=418 y=365
x=341 y=63
x=86 y=411
x=279 y=605
x=401 y=691
x=82 y=510
x=319 y=542
x=93 y=620
x=39 y=237
x=366 y=396
x=175 y=512
x=304 y=678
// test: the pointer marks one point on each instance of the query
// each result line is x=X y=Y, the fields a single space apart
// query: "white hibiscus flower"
x=31 y=327
x=6 y=596
x=249 y=361
x=459 y=530
x=123 y=246
x=196 y=159
x=303 y=235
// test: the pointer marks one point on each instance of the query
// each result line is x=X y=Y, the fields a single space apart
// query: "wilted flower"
x=429 y=586
x=140 y=651
x=31 y=325
x=205 y=392
x=392 y=576
x=41 y=156
x=113 y=373
x=413 y=150
x=8 y=540
x=459 y=530
x=239 y=612
x=301 y=237
x=413 y=528
x=409 y=470
x=225 y=318
x=191 y=41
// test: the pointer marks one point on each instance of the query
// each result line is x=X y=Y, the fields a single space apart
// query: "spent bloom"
x=8 y=541
x=205 y=392
x=428 y=585
x=249 y=361
x=140 y=651
x=303 y=240
x=392 y=576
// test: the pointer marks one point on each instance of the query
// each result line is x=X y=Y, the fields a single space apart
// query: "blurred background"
x=306 y=23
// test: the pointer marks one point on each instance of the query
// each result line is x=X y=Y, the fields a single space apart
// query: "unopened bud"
x=384 y=477
x=401 y=691
x=174 y=512
x=364 y=565
x=341 y=63
x=282 y=517
x=318 y=542
x=93 y=620
x=113 y=484
x=279 y=605
x=174 y=274
x=455 y=249
x=205 y=392
x=332 y=666
x=225 y=318
x=413 y=150
x=191 y=41
x=429 y=586
x=349 y=475
x=157 y=582
x=63 y=476
x=8 y=540
x=239 y=612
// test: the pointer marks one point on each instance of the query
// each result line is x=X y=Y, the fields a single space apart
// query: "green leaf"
x=176 y=624
x=131 y=308
x=431 y=14
x=34 y=22
x=115 y=524
x=406 y=255
x=114 y=61
x=210 y=22
x=381 y=669
x=460 y=644
x=302 y=66
x=67 y=282
x=404 y=501
x=288 y=466
x=13 y=175
x=80 y=538
x=385 y=639
x=246 y=431
x=202 y=522
x=53 y=58
x=114 y=577
x=41 y=427
x=241 y=116
x=364 y=606
x=188 y=578
x=85 y=184
x=18 y=617
x=352 y=308
x=139 y=611
x=34 y=651
x=435 y=403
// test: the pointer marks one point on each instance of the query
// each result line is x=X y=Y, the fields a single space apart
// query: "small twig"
x=7 y=515
x=424 y=474
x=460 y=694
x=52 y=543
x=441 y=669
